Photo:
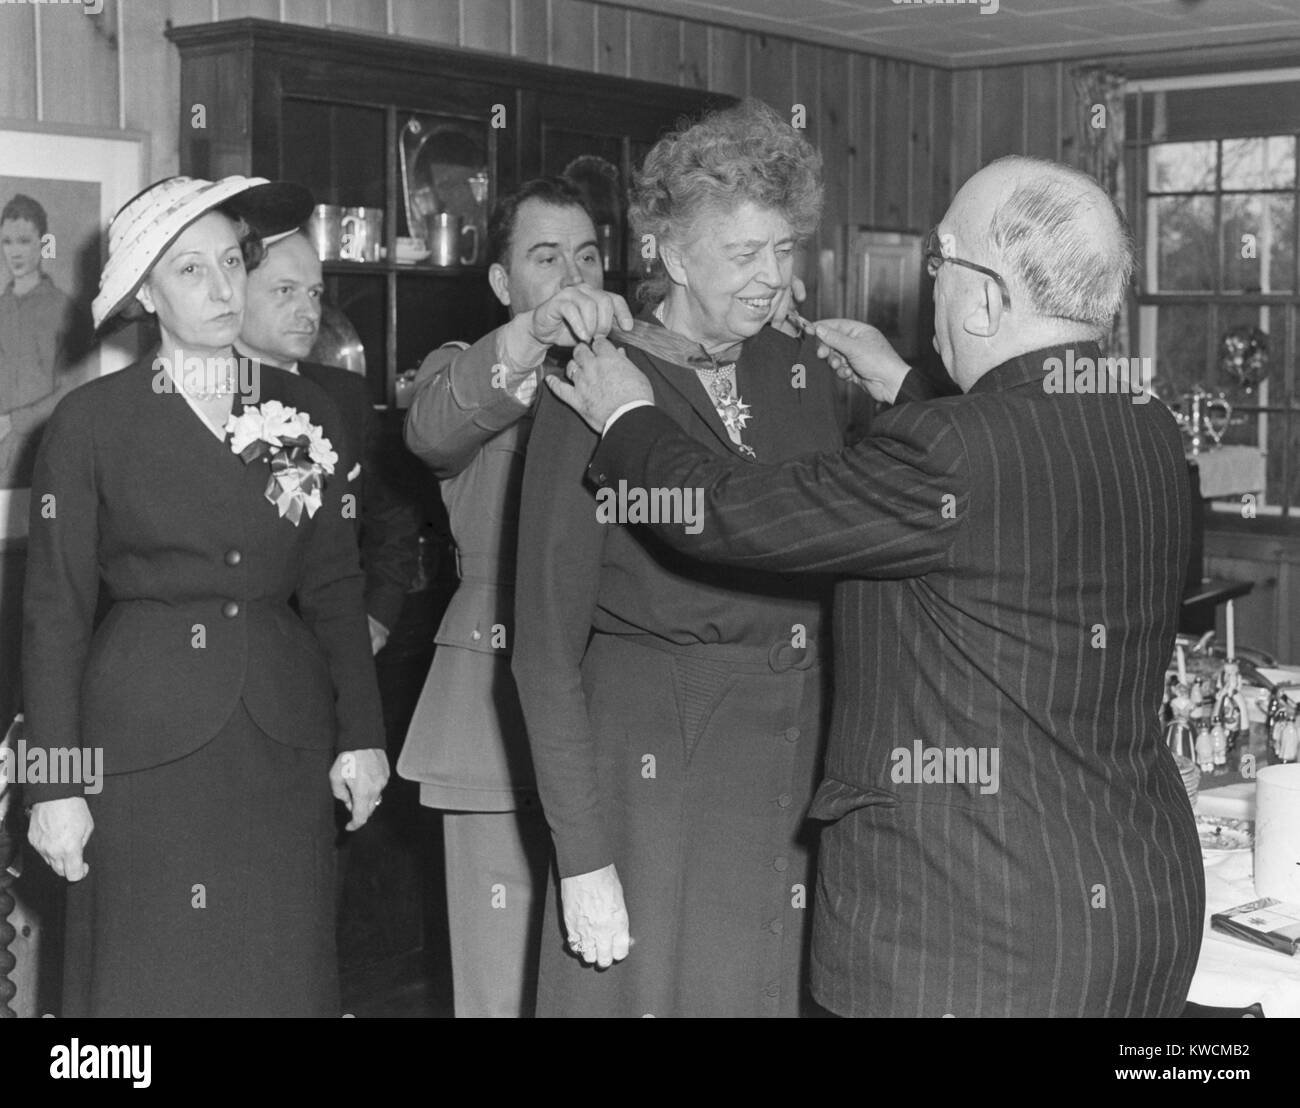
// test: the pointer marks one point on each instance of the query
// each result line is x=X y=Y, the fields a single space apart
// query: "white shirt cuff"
x=623 y=409
x=523 y=386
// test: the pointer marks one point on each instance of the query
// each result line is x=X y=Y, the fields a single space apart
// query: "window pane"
x=1181 y=333
x=1269 y=320
x=1279 y=489
x=1258 y=243
x=1182 y=167
x=1259 y=163
x=1186 y=252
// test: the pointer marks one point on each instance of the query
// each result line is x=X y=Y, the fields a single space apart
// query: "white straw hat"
x=149 y=223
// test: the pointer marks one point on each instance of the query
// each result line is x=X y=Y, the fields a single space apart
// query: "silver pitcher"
x=363 y=234
x=445 y=233
x=325 y=229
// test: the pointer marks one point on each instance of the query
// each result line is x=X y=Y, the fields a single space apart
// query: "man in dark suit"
x=1006 y=833
x=281 y=320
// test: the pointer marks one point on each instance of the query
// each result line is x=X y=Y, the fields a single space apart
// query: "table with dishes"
x=1232 y=727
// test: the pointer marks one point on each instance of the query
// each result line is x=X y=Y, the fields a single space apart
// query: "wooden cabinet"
x=344 y=114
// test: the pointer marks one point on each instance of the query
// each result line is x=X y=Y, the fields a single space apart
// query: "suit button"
x=784 y=800
x=780 y=864
x=233 y=557
x=476 y=634
x=776 y=927
x=772 y=990
x=792 y=734
x=230 y=609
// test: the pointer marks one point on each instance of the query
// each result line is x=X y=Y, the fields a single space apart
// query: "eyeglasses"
x=935 y=257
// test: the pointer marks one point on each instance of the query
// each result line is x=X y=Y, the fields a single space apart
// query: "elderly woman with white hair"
x=193 y=614
x=677 y=712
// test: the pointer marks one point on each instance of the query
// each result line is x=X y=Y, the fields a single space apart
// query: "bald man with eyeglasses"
x=1004 y=831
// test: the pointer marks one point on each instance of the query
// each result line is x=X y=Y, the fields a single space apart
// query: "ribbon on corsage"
x=298 y=453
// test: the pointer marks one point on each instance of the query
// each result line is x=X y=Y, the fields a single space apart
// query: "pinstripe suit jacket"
x=1011 y=562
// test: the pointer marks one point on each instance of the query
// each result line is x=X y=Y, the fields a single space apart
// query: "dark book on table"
x=1268 y=922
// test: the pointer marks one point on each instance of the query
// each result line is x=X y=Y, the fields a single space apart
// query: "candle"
x=1182 y=665
x=1232 y=652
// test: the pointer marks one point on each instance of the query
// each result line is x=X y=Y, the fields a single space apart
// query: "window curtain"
x=1098 y=150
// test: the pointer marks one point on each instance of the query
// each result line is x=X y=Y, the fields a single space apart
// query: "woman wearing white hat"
x=179 y=508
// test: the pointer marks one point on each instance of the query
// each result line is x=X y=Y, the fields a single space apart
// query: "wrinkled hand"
x=357 y=778
x=378 y=635
x=858 y=350
x=59 y=832
x=595 y=918
x=578 y=314
x=603 y=381
x=786 y=299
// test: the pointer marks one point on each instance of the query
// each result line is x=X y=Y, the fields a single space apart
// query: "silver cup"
x=325 y=229
x=445 y=235
x=363 y=234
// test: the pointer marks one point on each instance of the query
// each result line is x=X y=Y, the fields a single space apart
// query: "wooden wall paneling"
x=17 y=62
x=771 y=71
x=430 y=20
x=152 y=78
x=1259 y=619
x=966 y=117
x=806 y=89
x=1001 y=107
x=220 y=147
x=834 y=138
x=654 y=47
x=360 y=15
x=695 y=55
x=243 y=9
x=921 y=177
x=728 y=61
x=1042 y=111
x=942 y=183
x=807 y=94
x=79 y=64
x=530 y=30
x=892 y=147
x=611 y=41
x=1288 y=613
x=862 y=124
x=572 y=33
x=485 y=25
x=311 y=13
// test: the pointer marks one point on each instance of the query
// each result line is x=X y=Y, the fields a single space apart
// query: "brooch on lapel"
x=296 y=450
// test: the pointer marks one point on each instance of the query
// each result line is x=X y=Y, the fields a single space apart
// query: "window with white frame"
x=1219 y=254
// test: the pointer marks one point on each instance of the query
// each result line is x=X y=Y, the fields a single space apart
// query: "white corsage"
x=297 y=451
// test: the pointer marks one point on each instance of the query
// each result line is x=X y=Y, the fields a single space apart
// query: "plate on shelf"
x=1221 y=836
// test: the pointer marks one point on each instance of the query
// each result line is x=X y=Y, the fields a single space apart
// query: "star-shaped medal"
x=734 y=413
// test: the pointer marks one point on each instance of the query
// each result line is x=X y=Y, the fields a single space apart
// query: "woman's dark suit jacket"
x=135 y=498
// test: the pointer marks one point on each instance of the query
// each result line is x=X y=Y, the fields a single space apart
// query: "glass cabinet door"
x=446 y=190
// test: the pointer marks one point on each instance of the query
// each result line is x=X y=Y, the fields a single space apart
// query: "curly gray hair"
x=739 y=154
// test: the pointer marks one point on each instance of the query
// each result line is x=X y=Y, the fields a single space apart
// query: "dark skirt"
x=710 y=840
x=211 y=886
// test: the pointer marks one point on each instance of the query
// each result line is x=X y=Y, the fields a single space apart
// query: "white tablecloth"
x=1233 y=973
